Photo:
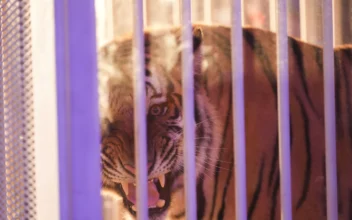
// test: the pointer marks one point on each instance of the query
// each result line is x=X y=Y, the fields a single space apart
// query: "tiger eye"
x=155 y=110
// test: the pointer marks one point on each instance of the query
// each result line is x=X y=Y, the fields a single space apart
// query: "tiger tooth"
x=162 y=180
x=160 y=203
x=134 y=208
x=125 y=187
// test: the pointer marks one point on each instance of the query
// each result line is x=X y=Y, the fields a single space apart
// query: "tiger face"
x=164 y=120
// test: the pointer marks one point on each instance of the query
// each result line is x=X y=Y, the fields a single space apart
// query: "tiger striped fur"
x=213 y=118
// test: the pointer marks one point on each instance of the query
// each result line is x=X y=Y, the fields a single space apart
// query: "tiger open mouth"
x=159 y=194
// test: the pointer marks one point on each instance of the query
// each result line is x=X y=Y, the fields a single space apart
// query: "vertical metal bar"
x=78 y=116
x=3 y=199
x=329 y=110
x=303 y=19
x=238 y=110
x=283 y=110
x=188 y=112
x=139 y=111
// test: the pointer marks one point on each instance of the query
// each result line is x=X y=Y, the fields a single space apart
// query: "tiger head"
x=164 y=118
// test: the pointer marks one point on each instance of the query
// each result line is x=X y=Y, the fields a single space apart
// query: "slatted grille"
x=17 y=175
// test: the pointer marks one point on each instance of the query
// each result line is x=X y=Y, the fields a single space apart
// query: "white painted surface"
x=45 y=117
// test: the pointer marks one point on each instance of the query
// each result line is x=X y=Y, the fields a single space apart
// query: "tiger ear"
x=197 y=38
x=197 y=56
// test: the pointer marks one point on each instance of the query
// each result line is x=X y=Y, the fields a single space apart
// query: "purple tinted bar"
x=78 y=117
x=188 y=112
x=238 y=110
x=283 y=111
x=329 y=110
x=139 y=111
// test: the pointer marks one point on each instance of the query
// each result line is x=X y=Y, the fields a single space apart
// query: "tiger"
x=213 y=118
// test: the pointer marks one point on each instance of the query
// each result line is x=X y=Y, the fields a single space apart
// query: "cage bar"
x=283 y=110
x=3 y=204
x=188 y=112
x=329 y=111
x=139 y=111
x=238 y=110
x=78 y=116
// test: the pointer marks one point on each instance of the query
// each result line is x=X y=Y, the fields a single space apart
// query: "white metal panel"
x=45 y=113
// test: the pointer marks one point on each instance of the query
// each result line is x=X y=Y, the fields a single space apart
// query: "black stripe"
x=324 y=198
x=217 y=169
x=109 y=164
x=170 y=152
x=168 y=139
x=196 y=113
x=350 y=204
x=178 y=97
x=301 y=71
x=201 y=201
x=223 y=43
x=148 y=84
x=308 y=167
x=338 y=103
x=182 y=214
x=109 y=172
x=339 y=188
x=173 y=98
x=273 y=166
x=157 y=95
x=348 y=54
x=176 y=114
x=319 y=58
x=263 y=57
x=274 y=196
x=124 y=168
x=173 y=160
x=208 y=140
x=257 y=191
x=174 y=128
x=224 y=194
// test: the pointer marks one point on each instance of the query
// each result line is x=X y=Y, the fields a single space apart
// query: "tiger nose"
x=132 y=169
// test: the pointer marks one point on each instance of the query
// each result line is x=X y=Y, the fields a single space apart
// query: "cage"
x=51 y=127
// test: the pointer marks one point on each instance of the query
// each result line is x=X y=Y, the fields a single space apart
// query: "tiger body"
x=214 y=123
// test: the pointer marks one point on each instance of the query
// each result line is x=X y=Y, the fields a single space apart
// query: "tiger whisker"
x=216 y=160
x=214 y=165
